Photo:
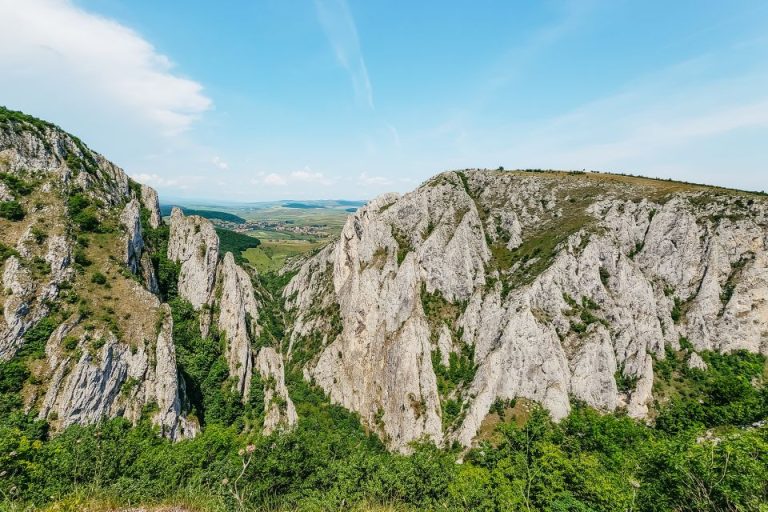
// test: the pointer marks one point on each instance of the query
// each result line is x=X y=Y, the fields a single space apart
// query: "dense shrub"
x=83 y=212
x=11 y=210
x=588 y=462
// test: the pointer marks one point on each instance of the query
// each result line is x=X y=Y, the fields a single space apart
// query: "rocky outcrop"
x=225 y=288
x=194 y=244
x=238 y=317
x=135 y=258
x=279 y=411
x=551 y=283
x=113 y=354
x=151 y=202
x=130 y=219
x=95 y=376
x=18 y=284
x=166 y=384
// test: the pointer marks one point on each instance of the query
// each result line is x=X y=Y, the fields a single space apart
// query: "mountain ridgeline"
x=535 y=325
x=481 y=287
x=109 y=312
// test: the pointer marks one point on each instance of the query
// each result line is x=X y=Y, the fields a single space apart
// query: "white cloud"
x=155 y=180
x=339 y=27
x=221 y=164
x=308 y=176
x=274 y=179
x=54 y=48
x=304 y=176
x=178 y=183
x=664 y=124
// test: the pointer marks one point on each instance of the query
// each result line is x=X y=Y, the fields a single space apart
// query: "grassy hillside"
x=165 y=210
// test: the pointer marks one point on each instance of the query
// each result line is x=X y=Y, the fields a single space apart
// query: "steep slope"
x=222 y=293
x=86 y=267
x=484 y=286
x=76 y=304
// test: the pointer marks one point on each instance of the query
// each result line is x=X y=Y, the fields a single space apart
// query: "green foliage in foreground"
x=587 y=462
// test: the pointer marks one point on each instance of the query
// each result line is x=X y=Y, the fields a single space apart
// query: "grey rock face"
x=166 y=384
x=87 y=372
x=556 y=282
x=136 y=259
x=695 y=361
x=5 y=193
x=151 y=202
x=238 y=317
x=280 y=413
x=116 y=379
x=16 y=310
x=130 y=219
x=193 y=243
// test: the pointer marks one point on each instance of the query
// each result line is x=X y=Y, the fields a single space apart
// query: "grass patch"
x=272 y=254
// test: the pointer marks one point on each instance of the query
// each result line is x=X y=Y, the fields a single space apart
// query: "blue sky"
x=260 y=100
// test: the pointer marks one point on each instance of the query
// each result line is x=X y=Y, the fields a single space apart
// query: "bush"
x=83 y=212
x=6 y=252
x=99 y=278
x=11 y=210
x=18 y=186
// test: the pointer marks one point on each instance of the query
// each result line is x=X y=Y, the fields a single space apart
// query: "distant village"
x=318 y=230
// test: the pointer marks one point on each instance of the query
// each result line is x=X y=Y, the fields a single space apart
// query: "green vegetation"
x=271 y=319
x=84 y=212
x=204 y=369
x=11 y=210
x=585 y=311
x=17 y=185
x=272 y=254
x=165 y=210
x=588 y=462
x=677 y=310
x=236 y=243
x=18 y=121
x=6 y=252
x=99 y=278
x=403 y=244
x=156 y=243
x=731 y=392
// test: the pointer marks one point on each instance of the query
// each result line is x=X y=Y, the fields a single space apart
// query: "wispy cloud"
x=219 y=163
x=179 y=183
x=675 y=122
x=339 y=26
x=56 y=48
x=305 y=176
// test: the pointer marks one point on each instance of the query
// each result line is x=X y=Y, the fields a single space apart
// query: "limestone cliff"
x=82 y=302
x=79 y=289
x=223 y=291
x=488 y=285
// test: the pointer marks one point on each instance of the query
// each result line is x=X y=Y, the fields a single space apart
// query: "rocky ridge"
x=81 y=300
x=484 y=286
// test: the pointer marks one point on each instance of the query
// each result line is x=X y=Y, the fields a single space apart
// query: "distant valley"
x=284 y=229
